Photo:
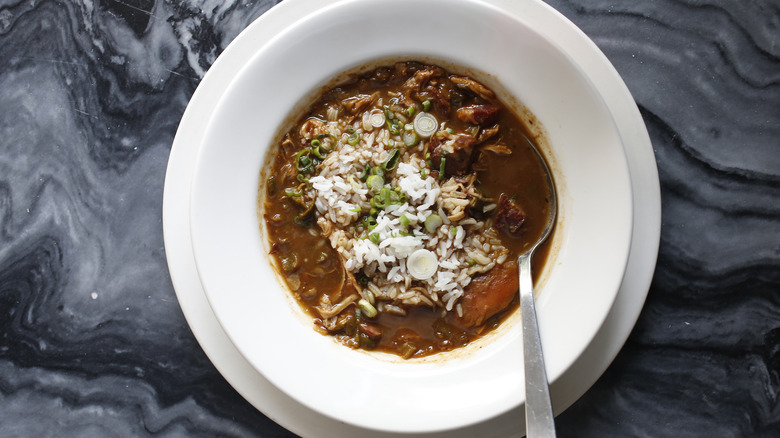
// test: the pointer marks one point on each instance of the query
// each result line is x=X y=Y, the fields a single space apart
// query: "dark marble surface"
x=92 y=339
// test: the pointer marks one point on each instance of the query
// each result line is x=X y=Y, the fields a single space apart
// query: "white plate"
x=483 y=379
x=295 y=417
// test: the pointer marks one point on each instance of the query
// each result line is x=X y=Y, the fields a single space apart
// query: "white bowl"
x=449 y=390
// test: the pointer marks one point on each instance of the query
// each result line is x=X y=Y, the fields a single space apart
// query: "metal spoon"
x=539 y=419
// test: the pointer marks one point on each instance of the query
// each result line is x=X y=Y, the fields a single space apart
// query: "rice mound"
x=463 y=246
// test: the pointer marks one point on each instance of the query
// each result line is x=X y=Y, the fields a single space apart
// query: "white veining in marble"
x=92 y=339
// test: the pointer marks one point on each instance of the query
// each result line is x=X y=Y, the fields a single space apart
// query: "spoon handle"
x=539 y=419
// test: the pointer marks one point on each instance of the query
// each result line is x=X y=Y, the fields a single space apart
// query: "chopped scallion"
x=433 y=222
x=386 y=197
x=392 y=160
x=366 y=307
x=353 y=181
x=375 y=183
x=422 y=264
x=425 y=124
x=410 y=138
x=369 y=222
x=304 y=162
x=377 y=118
x=293 y=193
x=392 y=126
x=353 y=139
x=319 y=151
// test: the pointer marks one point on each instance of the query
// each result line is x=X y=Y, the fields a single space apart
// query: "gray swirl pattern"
x=93 y=342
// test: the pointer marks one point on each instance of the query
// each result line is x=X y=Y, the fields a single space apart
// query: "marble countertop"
x=93 y=340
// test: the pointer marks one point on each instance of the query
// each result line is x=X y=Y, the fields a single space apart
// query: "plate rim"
x=192 y=313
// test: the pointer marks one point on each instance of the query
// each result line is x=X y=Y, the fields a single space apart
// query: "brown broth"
x=312 y=268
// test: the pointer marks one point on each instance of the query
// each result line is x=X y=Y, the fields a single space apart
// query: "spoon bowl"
x=539 y=418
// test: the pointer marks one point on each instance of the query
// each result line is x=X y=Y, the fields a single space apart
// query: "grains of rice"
x=463 y=247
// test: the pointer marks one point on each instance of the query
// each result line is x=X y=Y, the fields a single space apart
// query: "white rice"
x=463 y=248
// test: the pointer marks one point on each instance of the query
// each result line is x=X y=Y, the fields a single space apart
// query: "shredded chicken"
x=497 y=149
x=486 y=134
x=358 y=103
x=312 y=128
x=420 y=78
x=473 y=86
x=458 y=194
x=327 y=310
x=478 y=114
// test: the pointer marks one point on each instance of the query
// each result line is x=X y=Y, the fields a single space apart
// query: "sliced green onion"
x=354 y=138
x=423 y=173
x=422 y=264
x=377 y=170
x=293 y=193
x=315 y=143
x=375 y=183
x=410 y=111
x=386 y=197
x=353 y=181
x=303 y=161
x=392 y=126
x=426 y=105
x=377 y=118
x=366 y=307
x=319 y=151
x=404 y=221
x=442 y=164
x=369 y=222
x=407 y=350
x=397 y=197
x=426 y=124
x=453 y=231
x=374 y=237
x=328 y=135
x=433 y=222
x=392 y=160
x=410 y=138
